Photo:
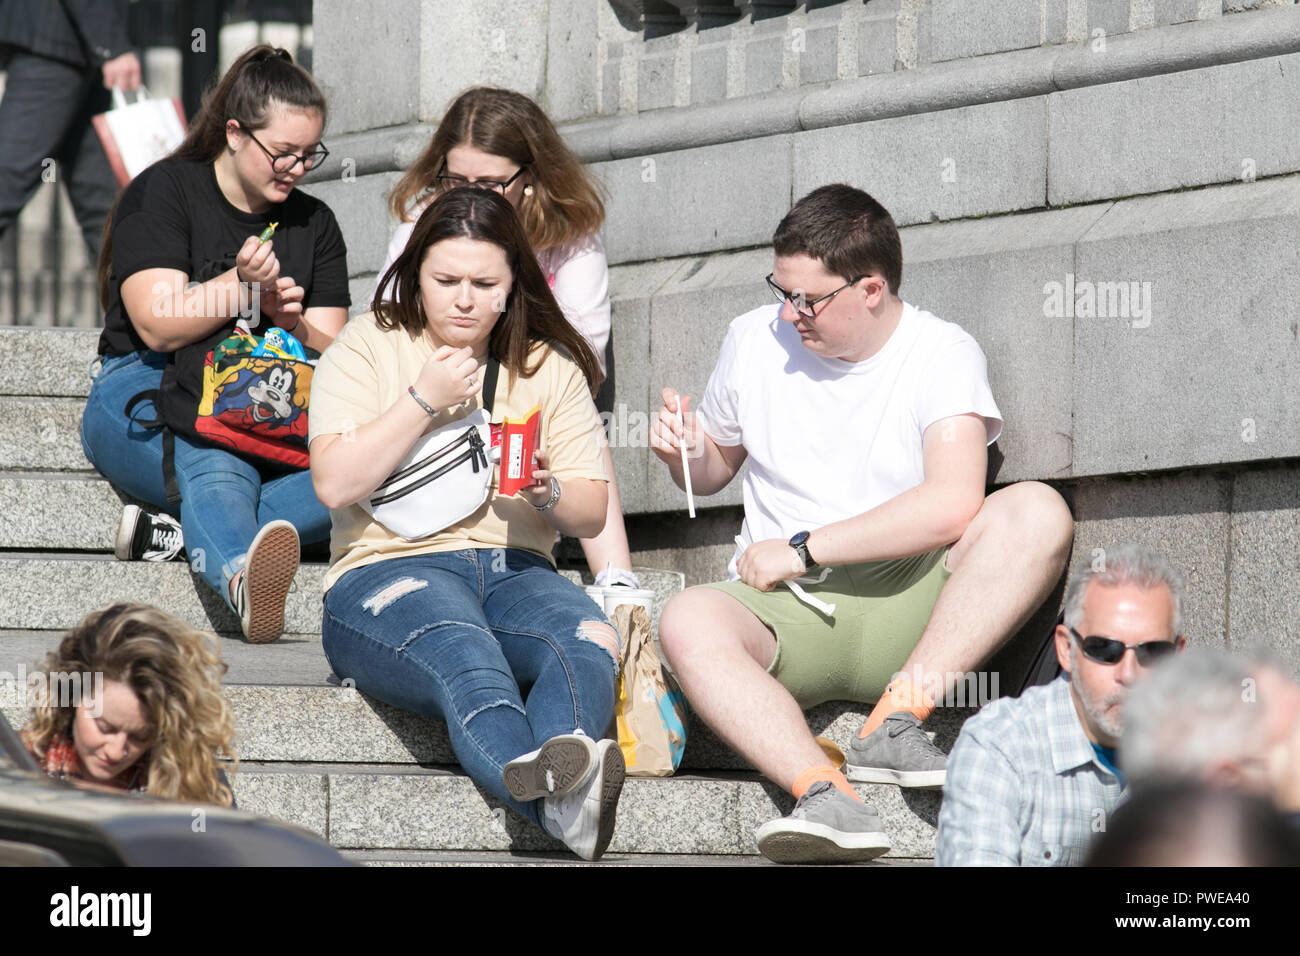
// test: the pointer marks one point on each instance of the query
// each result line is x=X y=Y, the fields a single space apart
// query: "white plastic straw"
x=686 y=465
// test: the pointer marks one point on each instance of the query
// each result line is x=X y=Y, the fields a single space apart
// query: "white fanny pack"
x=444 y=478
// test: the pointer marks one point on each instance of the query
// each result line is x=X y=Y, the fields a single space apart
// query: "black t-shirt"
x=174 y=216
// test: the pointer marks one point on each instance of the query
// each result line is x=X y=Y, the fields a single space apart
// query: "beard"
x=1098 y=709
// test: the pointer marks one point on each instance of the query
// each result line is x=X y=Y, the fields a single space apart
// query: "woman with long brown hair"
x=451 y=619
x=501 y=140
x=190 y=253
x=148 y=715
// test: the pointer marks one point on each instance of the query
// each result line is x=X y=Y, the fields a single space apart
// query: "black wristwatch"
x=800 y=544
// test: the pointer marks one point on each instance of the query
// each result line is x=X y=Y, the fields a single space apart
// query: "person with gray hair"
x=1127 y=563
x=1031 y=778
x=1213 y=717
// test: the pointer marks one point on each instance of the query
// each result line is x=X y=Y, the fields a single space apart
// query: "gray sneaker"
x=825 y=826
x=898 y=751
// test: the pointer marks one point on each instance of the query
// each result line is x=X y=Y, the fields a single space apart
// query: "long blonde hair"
x=175 y=673
x=566 y=203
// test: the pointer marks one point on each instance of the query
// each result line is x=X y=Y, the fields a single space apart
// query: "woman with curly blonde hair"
x=150 y=715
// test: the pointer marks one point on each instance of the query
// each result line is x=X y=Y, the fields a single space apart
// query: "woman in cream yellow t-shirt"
x=451 y=624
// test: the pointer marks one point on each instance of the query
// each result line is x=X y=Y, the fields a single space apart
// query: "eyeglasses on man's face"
x=1106 y=650
x=284 y=162
x=802 y=306
x=459 y=182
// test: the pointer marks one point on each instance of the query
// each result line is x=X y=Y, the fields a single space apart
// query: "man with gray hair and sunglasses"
x=1032 y=779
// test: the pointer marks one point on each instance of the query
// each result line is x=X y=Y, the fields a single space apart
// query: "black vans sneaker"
x=142 y=536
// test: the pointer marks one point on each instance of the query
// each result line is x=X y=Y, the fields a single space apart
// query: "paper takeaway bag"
x=650 y=710
x=138 y=134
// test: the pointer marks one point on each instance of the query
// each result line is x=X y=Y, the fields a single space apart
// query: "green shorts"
x=881 y=608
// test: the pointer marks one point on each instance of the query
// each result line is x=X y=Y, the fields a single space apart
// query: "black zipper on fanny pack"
x=431 y=458
x=475 y=456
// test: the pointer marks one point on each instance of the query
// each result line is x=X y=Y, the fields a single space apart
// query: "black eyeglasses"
x=1106 y=650
x=283 y=162
x=458 y=182
x=804 y=307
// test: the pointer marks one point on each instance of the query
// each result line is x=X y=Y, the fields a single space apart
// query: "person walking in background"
x=63 y=59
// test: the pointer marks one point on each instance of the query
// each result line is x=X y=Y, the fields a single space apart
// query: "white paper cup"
x=640 y=597
x=597 y=594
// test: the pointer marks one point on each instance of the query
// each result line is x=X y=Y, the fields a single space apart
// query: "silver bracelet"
x=555 y=495
x=423 y=404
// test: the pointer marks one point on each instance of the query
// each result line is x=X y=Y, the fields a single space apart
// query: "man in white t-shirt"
x=865 y=423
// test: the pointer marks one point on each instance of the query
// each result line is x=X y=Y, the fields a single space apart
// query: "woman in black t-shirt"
x=182 y=262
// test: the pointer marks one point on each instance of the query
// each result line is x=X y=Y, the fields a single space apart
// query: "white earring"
x=528 y=190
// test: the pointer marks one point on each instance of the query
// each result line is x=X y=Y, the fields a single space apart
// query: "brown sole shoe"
x=552 y=770
x=268 y=576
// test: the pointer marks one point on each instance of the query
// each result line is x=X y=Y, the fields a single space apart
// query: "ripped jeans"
x=456 y=635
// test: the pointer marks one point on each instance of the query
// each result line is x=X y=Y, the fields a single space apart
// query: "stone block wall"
x=1102 y=192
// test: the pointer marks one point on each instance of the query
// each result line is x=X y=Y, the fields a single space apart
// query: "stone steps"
x=45 y=591
x=307 y=717
x=42 y=591
x=47 y=361
x=41 y=433
x=378 y=780
x=380 y=803
x=380 y=807
x=462 y=858
x=53 y=511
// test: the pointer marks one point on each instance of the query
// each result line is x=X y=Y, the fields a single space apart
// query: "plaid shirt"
x=1024 y=787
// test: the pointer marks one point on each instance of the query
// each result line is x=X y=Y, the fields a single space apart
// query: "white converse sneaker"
x=553 y=769
x=584 y=818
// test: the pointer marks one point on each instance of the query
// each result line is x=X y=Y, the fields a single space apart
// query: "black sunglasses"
x=1106 y=650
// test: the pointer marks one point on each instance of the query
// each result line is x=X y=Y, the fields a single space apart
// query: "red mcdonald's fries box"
x=519 y=438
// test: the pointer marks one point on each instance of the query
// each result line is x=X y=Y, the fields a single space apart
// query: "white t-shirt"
x=828 y=439
x=577 y=272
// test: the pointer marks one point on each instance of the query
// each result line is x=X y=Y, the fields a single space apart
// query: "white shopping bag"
x=136 y=135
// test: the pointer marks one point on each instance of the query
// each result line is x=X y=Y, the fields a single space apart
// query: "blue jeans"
x=224 y=501
x=126 y=453
x=454 y=635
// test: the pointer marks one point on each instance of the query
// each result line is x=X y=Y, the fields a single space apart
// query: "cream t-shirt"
x=367 y=369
